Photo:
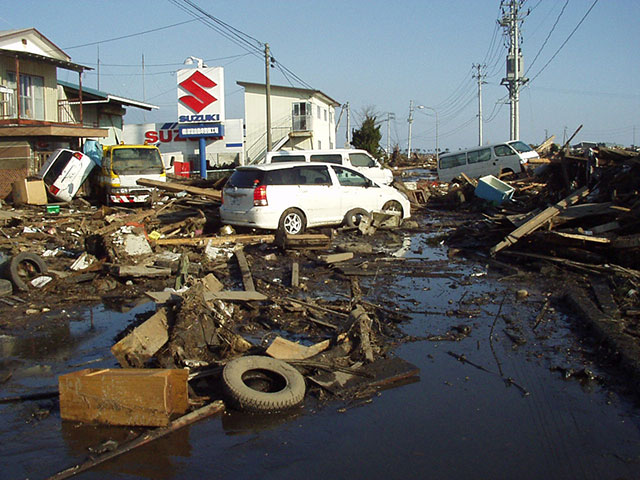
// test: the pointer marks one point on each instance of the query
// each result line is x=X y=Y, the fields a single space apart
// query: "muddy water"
x=509 y=412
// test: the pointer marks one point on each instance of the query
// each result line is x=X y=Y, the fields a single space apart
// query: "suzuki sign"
x=201 y=95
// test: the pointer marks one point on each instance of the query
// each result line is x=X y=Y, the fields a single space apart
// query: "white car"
x=64 y=172
x=294 y=196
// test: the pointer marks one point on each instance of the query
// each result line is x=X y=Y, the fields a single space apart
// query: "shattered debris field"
x=395 y=352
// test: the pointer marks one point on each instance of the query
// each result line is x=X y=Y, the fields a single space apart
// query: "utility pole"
x=390 y=116
x=267 y=63
x=410 y=120
x=511 y=20
x=144 y=92
x=480 y=76
x=348 y=144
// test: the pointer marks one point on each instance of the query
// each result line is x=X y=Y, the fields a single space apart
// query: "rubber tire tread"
x=348 y=218
x=14 y=263
x=247 y=399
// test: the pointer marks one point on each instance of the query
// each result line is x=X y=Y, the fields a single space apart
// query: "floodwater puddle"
x=492 y=403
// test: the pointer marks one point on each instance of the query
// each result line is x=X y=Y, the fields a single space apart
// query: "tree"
x=368 y=136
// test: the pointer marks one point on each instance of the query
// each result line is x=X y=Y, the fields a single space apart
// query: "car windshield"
x=520 y=147
x=136 y=160
x=248 y=178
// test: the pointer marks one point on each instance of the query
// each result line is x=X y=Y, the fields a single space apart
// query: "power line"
x=130 y=35
x=548 y=36
x=565 y=42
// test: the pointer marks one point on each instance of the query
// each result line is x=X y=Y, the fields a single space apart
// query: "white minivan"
x=293 y=196
x=486 y=160
x=64 y=172
x=361 y=160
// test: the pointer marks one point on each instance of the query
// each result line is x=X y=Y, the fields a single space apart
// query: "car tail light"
x=260 y=196
x=54 y=190
x=78 y=155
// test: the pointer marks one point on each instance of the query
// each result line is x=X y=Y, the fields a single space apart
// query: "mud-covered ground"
x=511 y=385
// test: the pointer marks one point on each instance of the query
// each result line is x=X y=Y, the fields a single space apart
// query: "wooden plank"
x=127 y=396
x=247 y=279
x=336 y=257
x=540 y=220
x=143 y=439
x=583 y=238
x=295 y=274
x=143 y=342
x=284 y=349
x=238 y=295
x=628 y=241
x=216 y=241
x=179 y=187
x=604 y=297
x=140 y=271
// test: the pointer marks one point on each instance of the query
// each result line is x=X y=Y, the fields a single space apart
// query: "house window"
x=325 y=114
x=301 y=116
x=31 y=95
x=319 y=117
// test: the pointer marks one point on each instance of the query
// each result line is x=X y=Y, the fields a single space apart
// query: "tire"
x=24 y=267
x=353 y=217
x=6 y=287
x=281 y=386
x=394 y=206
x=292 y=222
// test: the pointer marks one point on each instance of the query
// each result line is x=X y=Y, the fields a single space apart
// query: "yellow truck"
x=121 y=167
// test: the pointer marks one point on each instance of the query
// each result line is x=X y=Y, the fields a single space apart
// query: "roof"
x=91 y=95
x=327 y=98
x=41 y=58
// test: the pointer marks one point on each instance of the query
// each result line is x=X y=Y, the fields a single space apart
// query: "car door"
x=317 y=195
x=357 y=191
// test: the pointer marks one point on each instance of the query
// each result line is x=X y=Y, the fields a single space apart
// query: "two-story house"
x=38 y=113
x=300 y=119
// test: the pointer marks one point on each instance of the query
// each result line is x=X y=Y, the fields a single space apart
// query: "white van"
x=486 y=160
x=64 y=172
x=361 y=160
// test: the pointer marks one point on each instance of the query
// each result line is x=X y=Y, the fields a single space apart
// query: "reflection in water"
x=153 y=460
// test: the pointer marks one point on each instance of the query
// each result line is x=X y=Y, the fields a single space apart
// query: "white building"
x=300 y=119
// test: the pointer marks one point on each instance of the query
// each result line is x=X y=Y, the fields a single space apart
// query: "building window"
x=319 y=117
x=31 y=95
x=319 y=144
x=325 y=114
x=301 y=116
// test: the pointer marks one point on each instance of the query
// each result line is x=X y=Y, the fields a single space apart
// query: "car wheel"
x=292 y=222
x=24 y=267
x=353 y=217
x=262 y=384
x=393 y=206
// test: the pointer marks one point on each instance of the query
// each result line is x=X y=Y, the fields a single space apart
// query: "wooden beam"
x=180 y=187
x=215 y=241
x=540 y=219
x=247 y=279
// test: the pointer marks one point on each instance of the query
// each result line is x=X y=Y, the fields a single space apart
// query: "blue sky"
x=372 y=54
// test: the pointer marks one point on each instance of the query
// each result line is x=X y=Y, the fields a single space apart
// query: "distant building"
x=300 y=119
x=38 y=113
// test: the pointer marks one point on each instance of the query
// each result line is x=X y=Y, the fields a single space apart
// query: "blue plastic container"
x=493 y=190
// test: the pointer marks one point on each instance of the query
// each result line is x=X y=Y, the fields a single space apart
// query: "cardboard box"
x=127 y=396
x=30 y=191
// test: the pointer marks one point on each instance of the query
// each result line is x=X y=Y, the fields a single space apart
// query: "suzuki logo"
x=199 y=98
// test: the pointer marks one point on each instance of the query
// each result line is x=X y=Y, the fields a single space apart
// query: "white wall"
x=282 y=100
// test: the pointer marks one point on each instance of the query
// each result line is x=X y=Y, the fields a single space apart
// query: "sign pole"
x=203 y=157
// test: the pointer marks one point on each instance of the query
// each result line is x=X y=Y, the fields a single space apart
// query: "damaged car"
x=292 y=197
